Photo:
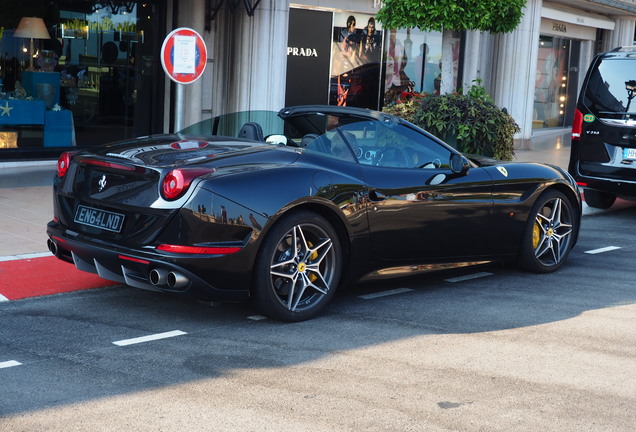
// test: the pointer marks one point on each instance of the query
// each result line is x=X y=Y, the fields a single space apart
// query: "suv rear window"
x=611 y=88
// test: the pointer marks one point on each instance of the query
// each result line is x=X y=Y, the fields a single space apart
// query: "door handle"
x=374 y=195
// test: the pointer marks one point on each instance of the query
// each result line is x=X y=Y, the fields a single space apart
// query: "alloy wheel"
x=552 y=232
x=303 y=267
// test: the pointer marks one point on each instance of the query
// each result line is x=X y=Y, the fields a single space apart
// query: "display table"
x=58 y=125
x=22 y=112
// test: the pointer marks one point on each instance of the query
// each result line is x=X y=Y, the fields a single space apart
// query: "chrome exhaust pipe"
x=52 y=246
x=177 y=280
x=158 y=277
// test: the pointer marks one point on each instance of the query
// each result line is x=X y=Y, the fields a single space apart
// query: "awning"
x=212 y=7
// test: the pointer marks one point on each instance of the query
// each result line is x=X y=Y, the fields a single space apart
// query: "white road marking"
x=385 y=293
x=601 y=250
x=3 y=298
x=149 y=338
x=469 y=277
x=256 y=317
x=9 y=364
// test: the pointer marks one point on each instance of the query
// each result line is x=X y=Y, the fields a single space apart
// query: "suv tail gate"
x=606 y=119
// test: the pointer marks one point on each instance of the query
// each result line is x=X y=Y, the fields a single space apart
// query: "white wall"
x=515 y=66
x=251 y=61
x=623 y=33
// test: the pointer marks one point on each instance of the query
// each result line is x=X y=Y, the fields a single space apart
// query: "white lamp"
x=32 y=28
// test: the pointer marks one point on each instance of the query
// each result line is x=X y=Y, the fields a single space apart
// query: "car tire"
x=550 y=233
x=295 y=283
x=598 y=199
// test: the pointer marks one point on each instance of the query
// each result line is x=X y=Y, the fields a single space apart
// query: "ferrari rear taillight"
x=63 y=163
x=202 y=250
x=577 y=125
x=177 y=181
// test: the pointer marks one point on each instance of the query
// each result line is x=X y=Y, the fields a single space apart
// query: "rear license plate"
x=99 y=218
x=629 y=154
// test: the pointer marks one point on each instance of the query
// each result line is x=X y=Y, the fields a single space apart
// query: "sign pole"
x=178 y=115
x=183 y=57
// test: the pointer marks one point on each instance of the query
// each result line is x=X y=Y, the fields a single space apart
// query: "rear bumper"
x=620 y=188
x=206 y=277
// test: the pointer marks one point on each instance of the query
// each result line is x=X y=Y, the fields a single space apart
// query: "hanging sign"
x=184 y=55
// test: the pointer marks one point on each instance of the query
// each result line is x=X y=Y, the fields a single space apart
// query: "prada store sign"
x=568 y=30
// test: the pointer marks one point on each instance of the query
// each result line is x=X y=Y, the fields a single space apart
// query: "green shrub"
x=470 y=122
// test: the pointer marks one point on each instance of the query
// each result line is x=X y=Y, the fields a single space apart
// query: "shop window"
x=413 y=61
x=99 y=78
x=90 y=80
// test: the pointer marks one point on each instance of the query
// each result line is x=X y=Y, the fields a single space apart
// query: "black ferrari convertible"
x=282 y=208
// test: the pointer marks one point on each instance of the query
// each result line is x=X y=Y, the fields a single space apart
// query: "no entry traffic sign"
x=184 y=55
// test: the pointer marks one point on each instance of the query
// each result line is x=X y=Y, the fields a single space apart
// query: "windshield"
x=335 y=134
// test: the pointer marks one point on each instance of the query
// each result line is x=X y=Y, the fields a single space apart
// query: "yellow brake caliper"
x=313 y=256
x=536 y=235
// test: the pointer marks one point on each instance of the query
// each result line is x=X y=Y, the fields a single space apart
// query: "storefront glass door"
x=554 y=93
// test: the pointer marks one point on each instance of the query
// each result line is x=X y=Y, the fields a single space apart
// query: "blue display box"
x=58 y=129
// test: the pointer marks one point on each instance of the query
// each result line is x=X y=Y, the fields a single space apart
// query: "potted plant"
x=470 y=121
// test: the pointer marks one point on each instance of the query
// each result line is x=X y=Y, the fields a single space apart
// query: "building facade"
x=101 y=61
x=537 y=70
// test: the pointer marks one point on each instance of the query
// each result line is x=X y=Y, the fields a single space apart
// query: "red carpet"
x=34 y=277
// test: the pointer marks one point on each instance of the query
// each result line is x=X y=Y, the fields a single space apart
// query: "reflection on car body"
x=318 y=196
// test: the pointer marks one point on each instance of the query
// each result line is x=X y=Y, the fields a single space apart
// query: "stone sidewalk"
x=26 y=206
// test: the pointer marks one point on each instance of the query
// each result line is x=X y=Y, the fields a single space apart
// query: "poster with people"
x=356 y=61
x=361 y=64
x=413 y=63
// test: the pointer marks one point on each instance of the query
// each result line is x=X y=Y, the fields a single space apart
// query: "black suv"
x=603 y=153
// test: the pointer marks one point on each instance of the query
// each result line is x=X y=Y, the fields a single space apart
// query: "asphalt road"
x=477 y=349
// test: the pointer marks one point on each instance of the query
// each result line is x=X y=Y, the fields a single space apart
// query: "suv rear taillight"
x=177 y=181
x=577 y=125
x=63 y=163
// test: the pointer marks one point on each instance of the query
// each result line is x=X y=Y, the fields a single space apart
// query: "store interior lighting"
x=32 y=28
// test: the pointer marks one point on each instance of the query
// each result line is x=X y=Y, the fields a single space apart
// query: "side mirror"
x=459 y=164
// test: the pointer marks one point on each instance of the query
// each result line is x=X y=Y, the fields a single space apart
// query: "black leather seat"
x=307 y=139
x=252 y=131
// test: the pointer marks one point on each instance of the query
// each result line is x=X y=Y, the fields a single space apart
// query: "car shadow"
x=68 y=339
